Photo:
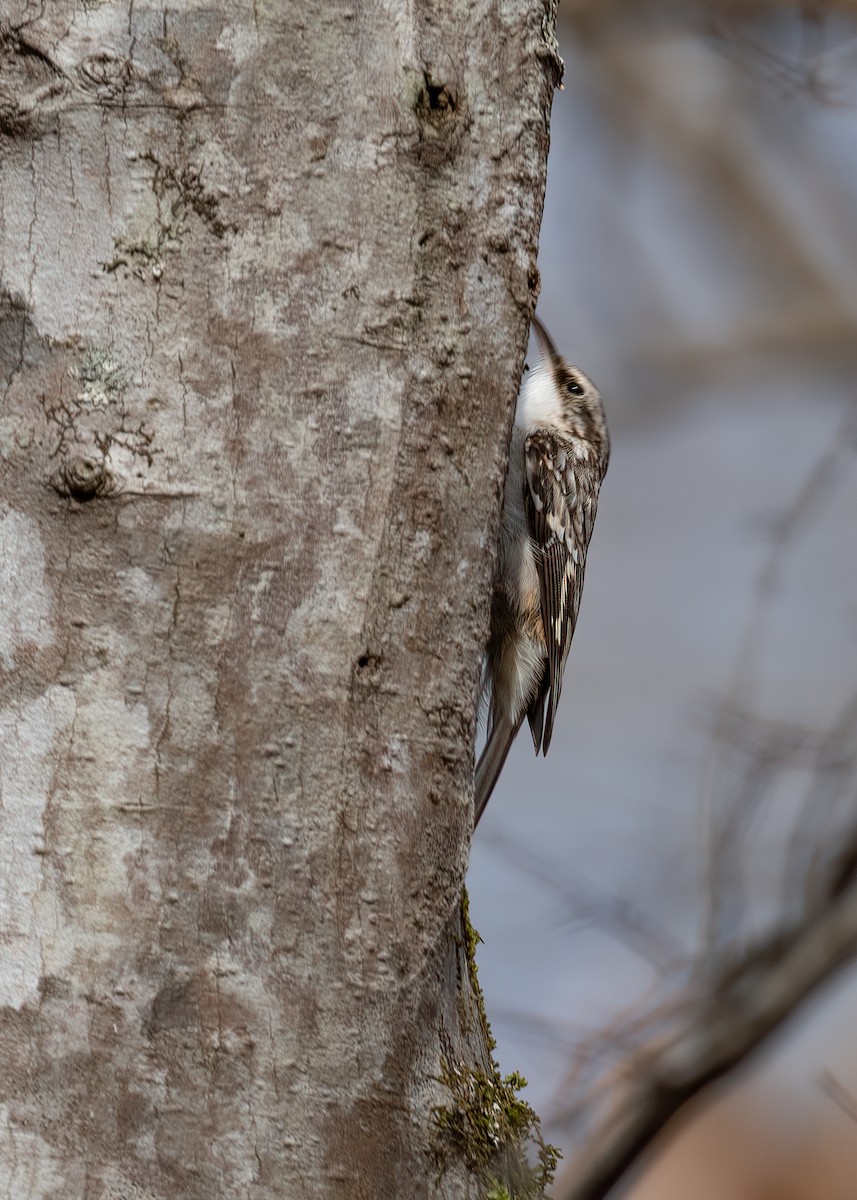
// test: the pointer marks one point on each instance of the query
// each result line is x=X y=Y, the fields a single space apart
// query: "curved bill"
x=545 y=339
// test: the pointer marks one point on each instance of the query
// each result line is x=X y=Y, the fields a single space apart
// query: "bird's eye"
x=573 y=387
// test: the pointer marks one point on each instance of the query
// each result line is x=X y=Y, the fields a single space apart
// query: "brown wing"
x=560 y=506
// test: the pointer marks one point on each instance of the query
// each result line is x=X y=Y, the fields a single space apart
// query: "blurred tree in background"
x=677 y=883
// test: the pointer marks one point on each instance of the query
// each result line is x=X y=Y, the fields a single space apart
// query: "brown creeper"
x=557 y=459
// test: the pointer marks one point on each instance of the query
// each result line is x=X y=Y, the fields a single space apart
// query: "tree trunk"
x=266 y=275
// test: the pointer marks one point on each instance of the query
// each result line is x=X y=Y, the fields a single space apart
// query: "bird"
x=558 y=457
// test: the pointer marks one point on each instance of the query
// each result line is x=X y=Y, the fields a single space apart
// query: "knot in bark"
x=84 y=478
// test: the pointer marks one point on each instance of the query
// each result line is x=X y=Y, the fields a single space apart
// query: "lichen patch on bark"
x=29 y=746
x=25 y=600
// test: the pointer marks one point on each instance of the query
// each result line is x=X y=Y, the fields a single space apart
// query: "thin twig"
x=840 y=1095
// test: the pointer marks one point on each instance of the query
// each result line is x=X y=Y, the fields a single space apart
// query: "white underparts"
x=520 y=669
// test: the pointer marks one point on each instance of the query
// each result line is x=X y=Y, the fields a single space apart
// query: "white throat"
x=539 y=404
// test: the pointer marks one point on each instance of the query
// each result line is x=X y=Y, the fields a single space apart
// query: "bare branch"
x=751 y=999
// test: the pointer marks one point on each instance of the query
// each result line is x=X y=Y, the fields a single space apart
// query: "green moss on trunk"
x=487 y=1124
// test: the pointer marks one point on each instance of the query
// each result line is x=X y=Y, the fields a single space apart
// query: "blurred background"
x=699 y=260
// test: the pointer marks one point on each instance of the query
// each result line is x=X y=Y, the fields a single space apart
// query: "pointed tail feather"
x=536 y=715
x=491 y=763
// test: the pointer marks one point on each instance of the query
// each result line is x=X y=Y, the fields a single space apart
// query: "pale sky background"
x=699 y=261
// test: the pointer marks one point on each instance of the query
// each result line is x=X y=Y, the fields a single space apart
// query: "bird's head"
x=556 y=394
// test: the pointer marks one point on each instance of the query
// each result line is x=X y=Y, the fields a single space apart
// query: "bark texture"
x=266 y=274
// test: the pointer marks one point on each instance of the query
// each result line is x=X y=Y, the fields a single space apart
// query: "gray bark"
x=266 y=275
